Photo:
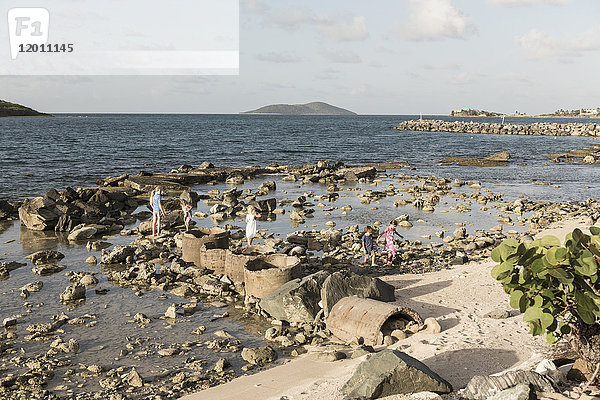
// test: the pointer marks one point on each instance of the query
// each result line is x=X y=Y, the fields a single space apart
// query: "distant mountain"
x=314 y=108
x=16 y=110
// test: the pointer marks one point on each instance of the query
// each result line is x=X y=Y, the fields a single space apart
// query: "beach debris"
x=372 y=320
x=483 y=387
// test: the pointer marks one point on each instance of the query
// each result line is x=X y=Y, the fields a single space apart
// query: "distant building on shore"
x=583 y=112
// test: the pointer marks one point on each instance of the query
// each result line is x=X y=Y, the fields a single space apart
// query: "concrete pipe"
x=234 y=263
x=213 y=259
x=196 y=241
x=266 y=273
x=353 y=317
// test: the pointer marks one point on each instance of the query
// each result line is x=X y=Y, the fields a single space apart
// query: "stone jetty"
x=536 y=129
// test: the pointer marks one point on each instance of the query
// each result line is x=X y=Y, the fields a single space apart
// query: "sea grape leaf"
x=496 y=255
x=547 y=319
x=532 y=314
x=563 y=276
x=515 y=298
x=501 y=269
x=550 y=241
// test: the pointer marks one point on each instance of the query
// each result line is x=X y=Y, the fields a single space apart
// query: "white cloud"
x=276 y=57
x=339 y=28
x=541 y=45
x=344 y=28
x=527 y=2
x=341 y=56
x=357 y=91
x=254 y=6
x=436 y=20
x=290 y=18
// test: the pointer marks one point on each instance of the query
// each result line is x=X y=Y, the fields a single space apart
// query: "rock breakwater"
x=536 y=129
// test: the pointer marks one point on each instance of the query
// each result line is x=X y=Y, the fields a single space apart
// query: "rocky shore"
x=39 y=357
x=542 y=128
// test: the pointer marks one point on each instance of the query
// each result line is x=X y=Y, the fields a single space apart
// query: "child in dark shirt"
x=367 y=246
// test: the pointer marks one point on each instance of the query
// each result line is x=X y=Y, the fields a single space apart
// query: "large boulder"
x=339 y=285
x=38 y=214
x=391 y=372
x=296 y=300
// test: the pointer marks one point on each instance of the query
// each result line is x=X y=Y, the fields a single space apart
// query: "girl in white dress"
x=251 y=216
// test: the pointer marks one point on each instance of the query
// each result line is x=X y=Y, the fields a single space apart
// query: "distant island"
x=470 y=112
x=314 y=108
x=8 y=109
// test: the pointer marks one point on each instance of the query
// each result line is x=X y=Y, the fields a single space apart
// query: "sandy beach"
x=470 y=343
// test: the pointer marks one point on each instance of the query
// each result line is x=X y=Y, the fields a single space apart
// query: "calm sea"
x=74 y=150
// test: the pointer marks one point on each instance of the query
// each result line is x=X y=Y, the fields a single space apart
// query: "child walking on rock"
x=390 y=247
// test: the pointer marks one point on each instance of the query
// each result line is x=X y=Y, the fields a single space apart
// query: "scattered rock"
x=259 y=355
x=33 y=286
x=133 y=378
x=91 y=260
x=431 y=326
x=73 y=292
x=48 y=269
x=171 y=312
x=330 y=356
x=45 y=257
x=83 y=233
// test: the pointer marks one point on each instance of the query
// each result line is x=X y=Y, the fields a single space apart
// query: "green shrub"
x=555 y=286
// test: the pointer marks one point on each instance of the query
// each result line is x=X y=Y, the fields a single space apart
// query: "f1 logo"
x=27 y=26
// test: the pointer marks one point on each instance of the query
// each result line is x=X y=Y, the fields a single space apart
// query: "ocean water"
x=74 y=150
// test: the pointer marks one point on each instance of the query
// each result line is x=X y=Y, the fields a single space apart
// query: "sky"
x=372 y=57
